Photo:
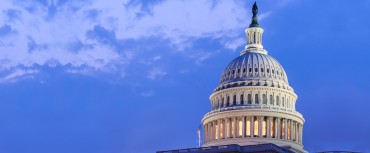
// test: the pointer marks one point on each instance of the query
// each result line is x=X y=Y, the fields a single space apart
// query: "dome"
x=252 y=66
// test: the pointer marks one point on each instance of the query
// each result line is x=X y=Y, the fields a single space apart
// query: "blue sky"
x=134 y=76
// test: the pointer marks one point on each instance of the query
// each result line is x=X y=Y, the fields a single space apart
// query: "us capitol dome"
x=253 y=102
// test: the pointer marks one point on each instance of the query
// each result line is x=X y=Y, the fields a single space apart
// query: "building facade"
x=254 y=103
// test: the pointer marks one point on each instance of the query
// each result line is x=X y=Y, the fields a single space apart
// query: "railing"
x=259 y=107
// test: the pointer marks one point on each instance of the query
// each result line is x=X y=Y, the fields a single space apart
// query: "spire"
x=254 y=18
x=254 y=35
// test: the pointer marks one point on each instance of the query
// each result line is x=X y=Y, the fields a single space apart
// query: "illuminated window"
x=216 y=131
x=264 y=130
x=248 y=132
x=264 y=99
x=232 y=128
x=240 y=128
x=255 y=130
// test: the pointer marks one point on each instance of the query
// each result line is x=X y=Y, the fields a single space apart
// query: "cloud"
x=92 y=35
x=156 y=73
x=17 y=74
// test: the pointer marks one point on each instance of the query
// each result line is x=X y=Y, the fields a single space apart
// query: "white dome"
x=254 y=67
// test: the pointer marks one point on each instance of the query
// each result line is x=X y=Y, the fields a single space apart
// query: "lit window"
x=240 y=128
x=248 y=132
x=255 y=130
x=264 y=133
x=216 y=132
x=232 y=128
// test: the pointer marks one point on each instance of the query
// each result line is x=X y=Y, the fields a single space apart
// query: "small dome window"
x=238 y=70
x=244 y=70
x=273 y=71
x=233 y=71
x=256 y=70
x=268 y=70
x=250 y=69
x=261 y=69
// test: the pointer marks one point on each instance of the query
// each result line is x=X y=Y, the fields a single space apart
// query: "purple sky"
x=134 y=76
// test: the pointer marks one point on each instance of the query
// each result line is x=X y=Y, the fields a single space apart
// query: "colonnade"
x=253 y=127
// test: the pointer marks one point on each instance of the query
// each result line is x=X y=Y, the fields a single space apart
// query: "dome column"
x=252 y=126
x=260 y=120
x=268 y=122
x=243 y=126
x=285 y=129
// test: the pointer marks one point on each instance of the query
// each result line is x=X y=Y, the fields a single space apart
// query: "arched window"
x=232 y=128
x=271 y=100
x=240 y=128
x=249 y=99
x=255 y=130
x=277 y=101
x=222 y=105
x=264 y=99
x=248 y=130
x=234 y=100
x=283 y=102
x=242 y=99
x=216 y=134
x=257 y=101
x=264 y=127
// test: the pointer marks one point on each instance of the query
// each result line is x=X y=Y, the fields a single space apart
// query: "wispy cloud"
x=93 y=34
x=156 y=73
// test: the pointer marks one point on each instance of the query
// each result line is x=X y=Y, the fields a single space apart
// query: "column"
x=301 y=134
x=252 y=126
x=278 y=127
x=235 y=128
x=296 y=132
x=205 y=133
x=291 y=130
x=260 y=120
x=243 y=130
x=268 y=124
x=285 y=129
x=218 y=129
x=210 y=131
x=227 y=128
